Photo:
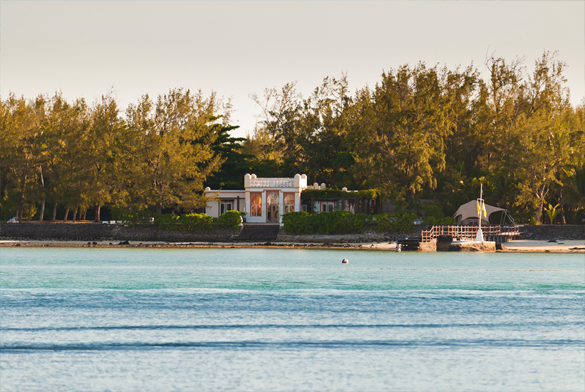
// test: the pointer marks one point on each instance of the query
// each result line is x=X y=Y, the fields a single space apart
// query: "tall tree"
x=107 y=155
x=400 y=132
x=544 y=137
x=172 y=141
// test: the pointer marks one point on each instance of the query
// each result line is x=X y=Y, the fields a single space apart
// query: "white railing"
x=272 y=182
x=470 y=232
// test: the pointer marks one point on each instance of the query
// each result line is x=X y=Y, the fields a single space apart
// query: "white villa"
x=264 y=200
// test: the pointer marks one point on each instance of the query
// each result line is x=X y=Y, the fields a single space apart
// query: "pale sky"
x=236 y=48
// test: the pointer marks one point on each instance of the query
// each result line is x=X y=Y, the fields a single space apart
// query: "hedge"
x=337 y=194
x=344 y=222
x=231 y=220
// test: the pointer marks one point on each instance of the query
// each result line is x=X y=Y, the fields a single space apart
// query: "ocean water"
x=290 y=320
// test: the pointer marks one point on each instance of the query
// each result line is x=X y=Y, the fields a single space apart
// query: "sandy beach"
x=559 y=246
x=569 y=246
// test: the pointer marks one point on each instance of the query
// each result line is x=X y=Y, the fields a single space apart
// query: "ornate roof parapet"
x=252 y=181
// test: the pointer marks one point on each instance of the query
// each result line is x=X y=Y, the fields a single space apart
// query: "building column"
x=264 y=206
x=280 y=205
x=247 y=205
x=297 y=201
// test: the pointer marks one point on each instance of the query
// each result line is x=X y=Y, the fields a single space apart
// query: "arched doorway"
x=272 y=208
x=256 y=206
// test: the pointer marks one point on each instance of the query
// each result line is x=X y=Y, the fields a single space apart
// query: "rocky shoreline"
x=570 y=246
x=543 y=238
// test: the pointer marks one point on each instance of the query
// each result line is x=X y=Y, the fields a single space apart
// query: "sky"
x=238 y=48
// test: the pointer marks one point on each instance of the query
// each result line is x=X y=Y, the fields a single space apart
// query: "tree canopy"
x=421 y=132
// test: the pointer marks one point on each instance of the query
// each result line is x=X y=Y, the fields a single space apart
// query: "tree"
x=20 y=132
x=399 y=132
x=107 y=155
x=544 y=137
x=171 y=142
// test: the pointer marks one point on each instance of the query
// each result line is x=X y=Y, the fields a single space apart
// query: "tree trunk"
x=19 y=214
x=539 y=211
x=66 y=215
x=97 y=212
x=42 y=213
x=75 y=214
x=85 y=214
x=159 y=208
x=562 y=208
x=54 y=212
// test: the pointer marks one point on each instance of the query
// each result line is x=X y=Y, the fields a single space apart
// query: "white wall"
x=212 y=208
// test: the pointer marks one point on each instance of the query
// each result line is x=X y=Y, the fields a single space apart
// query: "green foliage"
x=344 y=222
x=434 y=216
x=419 y=133
x=235 y=165
x=196 y=222
x=186 y=222
x=395 y=222
x=336 y=222
x=132 y=218
x=171 y=140
x=339 y=222
x=297 y=223
x=230 y=220
x=168 y=222
x=552 y=212
x=338 y=194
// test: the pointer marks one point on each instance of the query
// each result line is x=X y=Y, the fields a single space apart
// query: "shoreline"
x=518 y=246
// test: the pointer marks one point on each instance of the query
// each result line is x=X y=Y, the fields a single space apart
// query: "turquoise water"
x=290 y=320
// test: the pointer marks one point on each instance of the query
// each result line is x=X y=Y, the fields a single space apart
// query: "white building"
x=264 y=200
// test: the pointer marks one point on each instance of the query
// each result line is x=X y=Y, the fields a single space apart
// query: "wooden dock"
x=445 y=234
x=497 y=233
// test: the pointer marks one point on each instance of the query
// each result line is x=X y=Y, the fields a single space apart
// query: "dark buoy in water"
x=344 y=261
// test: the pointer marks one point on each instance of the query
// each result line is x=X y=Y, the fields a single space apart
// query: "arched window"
x=256 y=206
x=289 y=203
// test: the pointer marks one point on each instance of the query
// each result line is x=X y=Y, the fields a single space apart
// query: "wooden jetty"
x=448 y=233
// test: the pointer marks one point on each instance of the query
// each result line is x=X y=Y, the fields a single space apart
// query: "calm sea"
x=290 y=320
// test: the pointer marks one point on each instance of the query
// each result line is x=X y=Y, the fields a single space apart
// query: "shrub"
x=297 y=223
x=230 y=220
x=336 y=222
x=132 y=218
x=434 y=216
x=193 y=222
x=404 y=222
x=397 y=222
x=168 y=222
x=384 y=222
